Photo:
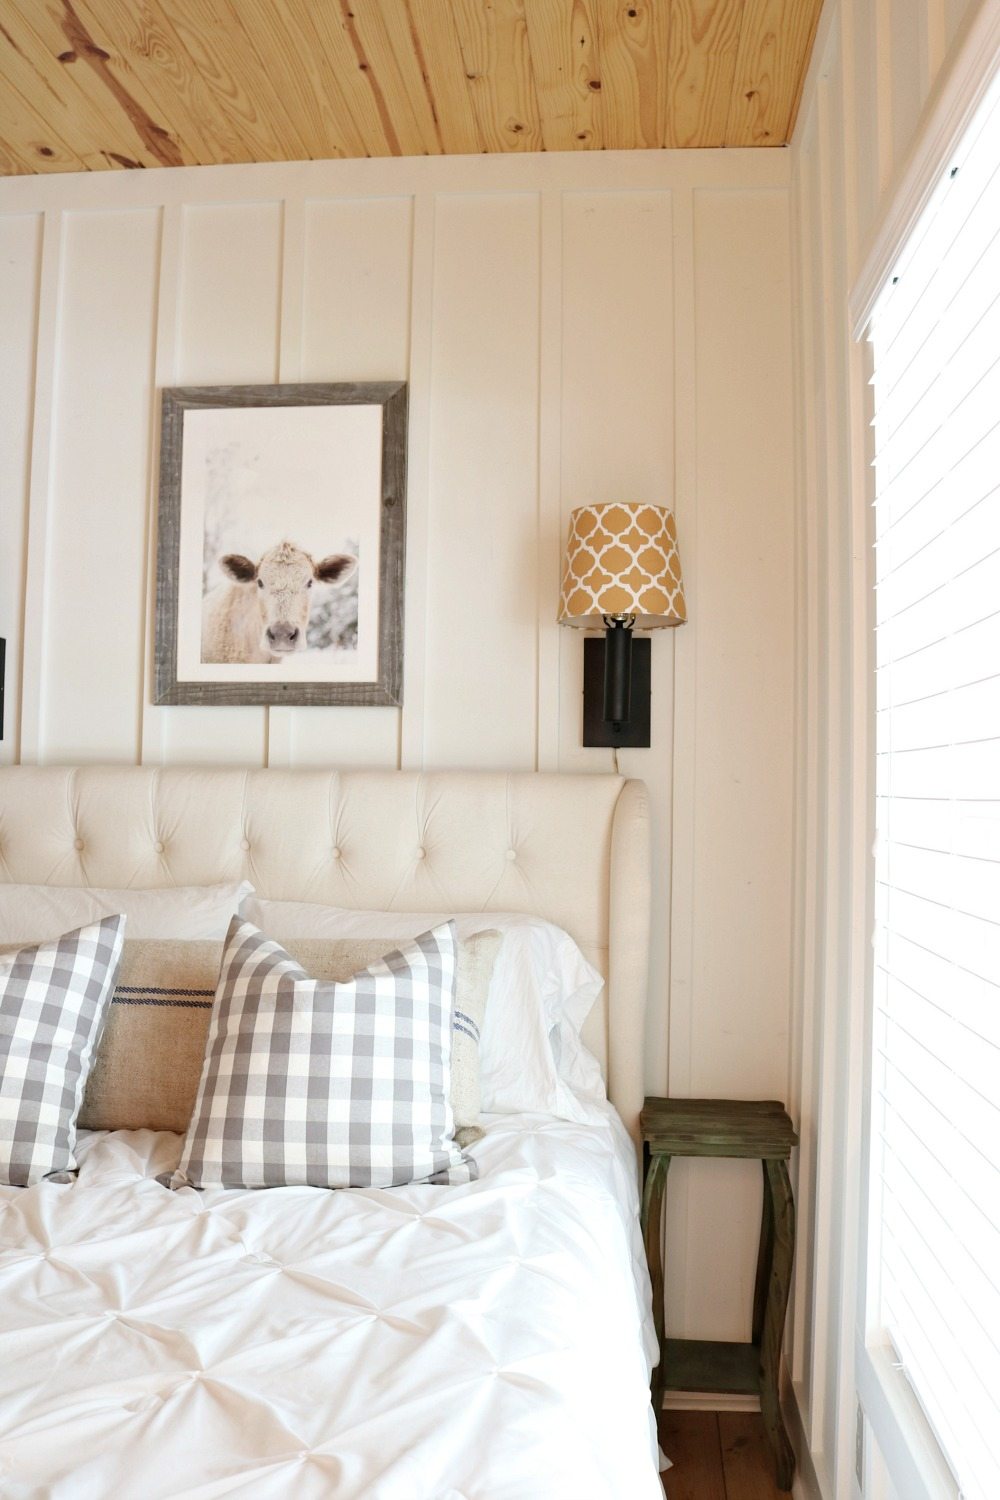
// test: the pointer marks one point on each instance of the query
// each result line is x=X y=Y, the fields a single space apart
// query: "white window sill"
x=912 y=1454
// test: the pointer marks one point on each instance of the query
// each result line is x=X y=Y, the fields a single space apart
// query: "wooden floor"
x=717 y=1456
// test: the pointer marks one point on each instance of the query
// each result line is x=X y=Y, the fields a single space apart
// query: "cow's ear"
x=337 y=568
x=238 y=567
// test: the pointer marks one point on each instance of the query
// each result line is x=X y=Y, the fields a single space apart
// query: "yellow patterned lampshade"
x=622 y=559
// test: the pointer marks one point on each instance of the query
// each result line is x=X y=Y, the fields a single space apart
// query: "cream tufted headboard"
x=571 y=848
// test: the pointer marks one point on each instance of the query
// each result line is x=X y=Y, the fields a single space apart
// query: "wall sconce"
x=621 y=569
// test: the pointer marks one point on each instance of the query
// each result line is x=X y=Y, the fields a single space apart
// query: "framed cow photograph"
x=282 y=518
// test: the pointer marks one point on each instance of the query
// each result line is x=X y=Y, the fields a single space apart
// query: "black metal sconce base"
x=598 y=731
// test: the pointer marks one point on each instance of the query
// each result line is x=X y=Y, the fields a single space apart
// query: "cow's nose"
x=282 y=636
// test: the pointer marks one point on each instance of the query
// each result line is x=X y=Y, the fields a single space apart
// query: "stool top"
x=758 y=1128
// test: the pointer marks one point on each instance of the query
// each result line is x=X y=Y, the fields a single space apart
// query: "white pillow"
x=39 y=913
x=531 y=1057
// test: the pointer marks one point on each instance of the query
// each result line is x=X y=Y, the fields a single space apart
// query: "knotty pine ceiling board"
x=89 y=85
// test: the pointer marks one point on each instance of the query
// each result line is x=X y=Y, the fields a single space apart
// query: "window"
x=935 y=1208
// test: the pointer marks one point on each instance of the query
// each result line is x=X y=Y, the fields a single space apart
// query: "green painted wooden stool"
x=727 y=1127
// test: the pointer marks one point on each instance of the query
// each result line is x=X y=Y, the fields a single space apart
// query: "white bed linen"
x=489 y=1341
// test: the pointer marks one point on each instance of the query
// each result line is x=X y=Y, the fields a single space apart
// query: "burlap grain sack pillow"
x=149 y=1062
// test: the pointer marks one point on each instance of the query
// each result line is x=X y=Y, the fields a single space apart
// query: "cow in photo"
x=261 y=612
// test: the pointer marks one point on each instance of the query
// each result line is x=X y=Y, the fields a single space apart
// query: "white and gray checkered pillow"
x=310 y=1082
x=53 y=1001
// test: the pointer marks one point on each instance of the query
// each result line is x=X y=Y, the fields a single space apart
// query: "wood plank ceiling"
x=87 y=85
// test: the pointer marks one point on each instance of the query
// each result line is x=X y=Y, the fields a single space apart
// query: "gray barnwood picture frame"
x=387 y=689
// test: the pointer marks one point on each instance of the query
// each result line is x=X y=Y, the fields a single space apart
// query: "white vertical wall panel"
x=356 y=293
x=874 y=63
x=809 y=317
x=228 y=321
x=832 y=1190
x=228 y=312
x=860 y=99
x=955 y=12
x=744 y=637
x=856 y=81
x=35 y=592
x=617 y=410
x=909 y=34
x=20 y=250
x=740 y=877
x=96 y=559
x=355 y=325
x=482 y=555
x=412 y=720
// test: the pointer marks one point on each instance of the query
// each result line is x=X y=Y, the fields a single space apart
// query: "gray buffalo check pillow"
x=311 y=1082
x=53 y=1000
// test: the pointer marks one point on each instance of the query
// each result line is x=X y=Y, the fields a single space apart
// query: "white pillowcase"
x=531 y=1057
x=39 y=913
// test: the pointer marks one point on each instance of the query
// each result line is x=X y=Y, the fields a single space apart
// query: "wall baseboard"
x=806 y=1485
x=707 y=1401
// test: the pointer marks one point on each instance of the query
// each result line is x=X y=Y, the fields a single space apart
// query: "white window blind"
x=936 y=1047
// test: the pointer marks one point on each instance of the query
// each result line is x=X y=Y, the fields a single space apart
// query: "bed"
x=490 y=1340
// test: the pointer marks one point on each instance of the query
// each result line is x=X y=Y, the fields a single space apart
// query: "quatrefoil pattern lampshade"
x=621 y=559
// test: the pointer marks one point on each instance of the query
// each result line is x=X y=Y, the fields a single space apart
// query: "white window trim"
x=954 y=99
x=912 y=1455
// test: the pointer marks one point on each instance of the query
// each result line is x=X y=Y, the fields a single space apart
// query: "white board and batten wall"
x=573 y=329
x=874 y=67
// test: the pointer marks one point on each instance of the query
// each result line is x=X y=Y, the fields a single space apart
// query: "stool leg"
x=782 y=1208
x=765 y=1255
x=652 y=1219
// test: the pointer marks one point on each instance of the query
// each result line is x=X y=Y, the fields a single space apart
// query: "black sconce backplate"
x=633 y=735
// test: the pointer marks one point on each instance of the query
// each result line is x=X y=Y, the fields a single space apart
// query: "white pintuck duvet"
x=484 y=1342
